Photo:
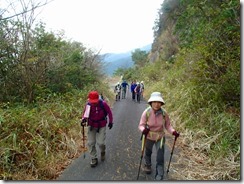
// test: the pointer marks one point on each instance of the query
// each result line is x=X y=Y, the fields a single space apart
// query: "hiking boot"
x=102 y=156
x=147 y=169
x=94 y=162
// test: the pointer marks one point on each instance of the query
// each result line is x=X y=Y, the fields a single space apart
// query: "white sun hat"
x=156 y=97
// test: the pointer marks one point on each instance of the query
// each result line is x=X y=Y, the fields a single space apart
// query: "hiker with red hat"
x=95 y=117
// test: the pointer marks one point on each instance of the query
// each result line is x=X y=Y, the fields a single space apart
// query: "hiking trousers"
x=133 y=95
x=159 y=155
x=123 y=93
x=138 y=97
x=96 y=137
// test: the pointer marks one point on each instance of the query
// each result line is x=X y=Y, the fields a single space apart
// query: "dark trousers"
x=159 y=157
x=138 y=97
x=133 y=95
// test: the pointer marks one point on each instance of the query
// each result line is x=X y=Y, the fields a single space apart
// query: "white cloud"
x=113 y=25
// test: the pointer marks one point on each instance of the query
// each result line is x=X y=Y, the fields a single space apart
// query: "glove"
x=110 y=125
x=176 y=134
x=83 y=122
x=146 y=130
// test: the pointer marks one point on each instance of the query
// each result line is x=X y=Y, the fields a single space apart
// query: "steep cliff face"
x=166 y=42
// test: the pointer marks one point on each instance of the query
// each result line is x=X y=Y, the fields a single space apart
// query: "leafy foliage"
x=139 y=57
x=48 y=63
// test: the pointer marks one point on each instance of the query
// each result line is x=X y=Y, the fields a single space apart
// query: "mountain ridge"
x=113 y=61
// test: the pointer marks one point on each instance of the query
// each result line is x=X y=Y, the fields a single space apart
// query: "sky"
x=111 y=26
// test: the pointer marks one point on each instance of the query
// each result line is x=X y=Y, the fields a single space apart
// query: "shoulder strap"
x=163 y=112
x=148 y=113
x=102 y=106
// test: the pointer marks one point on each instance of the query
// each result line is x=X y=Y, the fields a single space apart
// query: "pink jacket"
x=157 y=124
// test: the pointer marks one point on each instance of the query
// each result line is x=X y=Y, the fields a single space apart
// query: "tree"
x=27 y=7
x=33 y=61
x=139 y=57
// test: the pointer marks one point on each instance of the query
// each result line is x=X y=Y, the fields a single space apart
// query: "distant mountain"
x=113 y=61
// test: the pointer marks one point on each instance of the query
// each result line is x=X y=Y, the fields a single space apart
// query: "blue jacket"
x=132 y=87
x=124 y=84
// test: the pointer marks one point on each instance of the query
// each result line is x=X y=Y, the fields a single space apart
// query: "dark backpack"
x=138 y=88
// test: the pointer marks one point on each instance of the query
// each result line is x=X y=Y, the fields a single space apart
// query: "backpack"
x=117 y=88
x=142 y=86
x=138 y=88
x=101 y=97
x=104 y=115
x=102 y=106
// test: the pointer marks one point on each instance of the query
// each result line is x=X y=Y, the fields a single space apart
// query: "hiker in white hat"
x=153 y=123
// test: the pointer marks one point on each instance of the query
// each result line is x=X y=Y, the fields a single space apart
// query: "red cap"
x=93 y=97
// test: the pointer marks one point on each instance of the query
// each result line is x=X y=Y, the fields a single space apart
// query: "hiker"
x=117 y=90
x=95 y=117
x=138 y=92
x=124 y=86
x=142 y=88
x=153 y=123
x=132 y=89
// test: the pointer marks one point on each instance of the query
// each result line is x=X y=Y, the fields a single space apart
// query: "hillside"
x=113 y=61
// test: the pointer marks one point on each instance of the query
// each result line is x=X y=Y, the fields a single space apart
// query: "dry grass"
x=193 y=163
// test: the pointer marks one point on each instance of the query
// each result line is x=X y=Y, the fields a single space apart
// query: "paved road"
x=123 y=151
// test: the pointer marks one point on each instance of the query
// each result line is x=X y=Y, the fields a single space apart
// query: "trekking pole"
x=171 y=154
x=83 y=140
x=143 y=138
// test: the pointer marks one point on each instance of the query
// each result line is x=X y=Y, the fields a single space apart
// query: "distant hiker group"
x=136 y=89
x=153 y=123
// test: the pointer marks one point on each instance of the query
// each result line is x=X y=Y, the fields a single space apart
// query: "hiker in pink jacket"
x=95 y=117
x=153 y=123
